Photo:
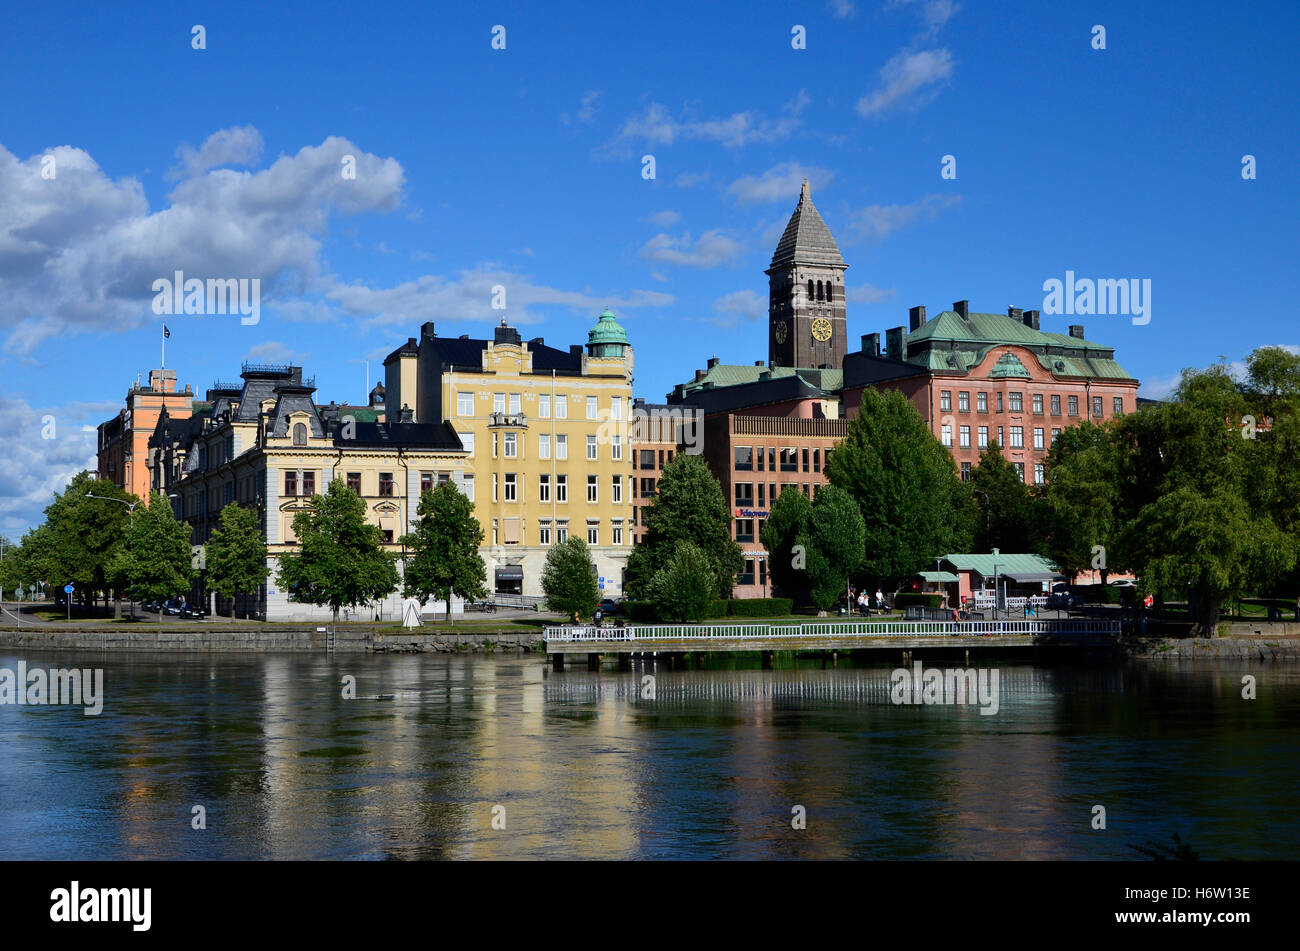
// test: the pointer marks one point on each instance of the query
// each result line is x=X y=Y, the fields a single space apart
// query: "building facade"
x=547 y=437
x=123 y=441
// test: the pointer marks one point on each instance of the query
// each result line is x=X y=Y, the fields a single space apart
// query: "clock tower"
x=806 y=314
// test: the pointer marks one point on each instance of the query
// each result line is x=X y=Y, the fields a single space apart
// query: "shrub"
x=761 y=607
x=907 y=598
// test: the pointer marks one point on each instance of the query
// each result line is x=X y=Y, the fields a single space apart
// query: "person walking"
x=880 y=600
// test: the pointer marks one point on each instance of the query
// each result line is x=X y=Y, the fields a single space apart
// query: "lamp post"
x=130 y=508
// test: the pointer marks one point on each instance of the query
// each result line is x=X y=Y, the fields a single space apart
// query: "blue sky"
x=522 y=167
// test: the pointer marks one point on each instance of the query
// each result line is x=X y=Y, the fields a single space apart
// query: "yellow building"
x=546 y=432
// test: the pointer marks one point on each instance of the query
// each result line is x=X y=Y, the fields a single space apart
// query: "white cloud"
x=690 y=179
x=869 y=294
x=798 y=103
x=877 y=222
x=587 y=109
x=657 y=126
x=239 y=145
x=272 y=351
x=909 y=78
x=711 y=250
x=842 y=9
x=778 y=183
x=665 y=219
x=744 y=303
x=33 y=468
x=934 y=13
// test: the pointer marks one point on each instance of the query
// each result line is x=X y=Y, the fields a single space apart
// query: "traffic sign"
x=67 y=589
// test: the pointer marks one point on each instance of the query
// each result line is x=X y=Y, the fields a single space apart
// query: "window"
x=1017 y=402
x=515 y=407
x=494 y=489
x=1056 y=404
x=512 y=487
x=544 y=532
x=544 y=406
x=1002 y=443
x=309 y=483
x=561 y=446
x=1038 y=404
x=561 y=406
x=616 y=407
x=761 y=487
x=616 y=447
x=1074 y=406
x=965 y=472
x=745 y=494
x=354 y=482
x=999 y=402
x=744 y=458
x=561 y=488
x=593 y=533
x=983 y=437
x=426 y=482
x=591 y=407
x=562 y=530
x=616 y=490
x=789 y=460
x=965 y=437
x=544 y=488
x=1055 y=432
x=1038 y=437
x=494 y=445
x=758 y=457
x=746 y=575
x=386 y=483
x=498 y=402
x=744 y=529
x=945 y=400
x=1017 y=437
x=618 y=532
x=1040 y=473
x=1117 y=405
x=647 y=458
x=1020 y=470
x=982 y=402
x=544 y=446
x=299 y=434
x=1096 y=406
x=467 y=487
x=817 y=460
x=388 y=536
x=512 y=445
x=290 y=484
x=946 y=430
x=963 y=401
x=805 y=459
x=593 y=489
x=464 y=404
x=771 y=458
x=591 y=447
x=467 y=440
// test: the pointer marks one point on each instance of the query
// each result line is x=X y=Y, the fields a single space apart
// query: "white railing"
x=812 y=629
x=983 y=602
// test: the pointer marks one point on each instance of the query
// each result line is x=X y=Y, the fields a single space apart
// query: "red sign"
x=1148 y=600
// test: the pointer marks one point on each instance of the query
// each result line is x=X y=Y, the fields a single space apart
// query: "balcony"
x=508 y=421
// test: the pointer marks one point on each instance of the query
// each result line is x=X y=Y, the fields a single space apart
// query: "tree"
x=814 y=546
x=444 y=557
x=569 y=579
x=684 y=588
x=788 y=518
x=340 y=558
x=1009 y=515
x=236 y=555
x=689 y=507
x=1081 y=498
x=83 y=535
x=155 y=559
x=913 y=504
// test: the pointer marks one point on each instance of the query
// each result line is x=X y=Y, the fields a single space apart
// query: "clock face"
x=781 y=331
x=821 y=328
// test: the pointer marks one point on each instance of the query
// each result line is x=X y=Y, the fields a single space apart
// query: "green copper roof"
x=1008 y=365
x=607 y=330
x=1003 y=564
x=733 y=374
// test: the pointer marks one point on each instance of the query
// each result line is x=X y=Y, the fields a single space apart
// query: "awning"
x=1030 y=576
x=939 y=577
x=510 y=572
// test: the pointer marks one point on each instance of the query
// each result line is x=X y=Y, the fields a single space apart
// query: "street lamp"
x=130 y=508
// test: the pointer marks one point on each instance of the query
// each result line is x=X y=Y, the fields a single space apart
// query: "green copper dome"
x=607 y=338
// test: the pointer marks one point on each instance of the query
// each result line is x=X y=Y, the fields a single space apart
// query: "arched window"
x=829 y=293
x=810 y=289
x=299 y=434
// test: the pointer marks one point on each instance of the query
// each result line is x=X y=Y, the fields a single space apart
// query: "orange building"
x=124 y=439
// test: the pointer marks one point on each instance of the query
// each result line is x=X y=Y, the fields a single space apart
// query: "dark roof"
x=862 y=369
x=806 y=240
x=398 y=435
x=468 y=352
x=726 y=399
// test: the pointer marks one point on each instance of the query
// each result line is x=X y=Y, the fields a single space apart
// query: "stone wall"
x=269 y=639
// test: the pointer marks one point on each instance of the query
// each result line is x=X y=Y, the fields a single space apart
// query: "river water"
x=579 y=764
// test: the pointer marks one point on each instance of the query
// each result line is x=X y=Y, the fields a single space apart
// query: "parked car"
x=154 y=606
x=173 y=607
x=1123 y=583
x=608 y=607
x=193 y=611
x=1064 y=600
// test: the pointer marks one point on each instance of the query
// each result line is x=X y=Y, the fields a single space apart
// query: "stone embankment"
x=1251 y=647
x=197 y=638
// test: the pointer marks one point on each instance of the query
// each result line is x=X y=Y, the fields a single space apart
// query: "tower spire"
x=804 y=193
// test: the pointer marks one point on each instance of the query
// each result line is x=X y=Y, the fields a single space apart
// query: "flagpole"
x=163 y=365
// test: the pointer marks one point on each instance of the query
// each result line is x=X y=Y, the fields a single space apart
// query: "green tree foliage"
x=236 y=554
x=569 y=579
x=689 y=507
x=1010 y=516
x=906 y=485
x=684 y=588
x=444 y=558
x=340 y=558
x=816 y=545
x=1082 y=496
x=154 y=561
x=82 y=536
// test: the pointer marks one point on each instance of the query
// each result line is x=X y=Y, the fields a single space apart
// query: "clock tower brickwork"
x=806 y=312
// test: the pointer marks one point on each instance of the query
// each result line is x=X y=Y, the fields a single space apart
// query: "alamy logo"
x=41 y=687
x=935 y=686
x=103 y=904
x=1117 y=297
x=215 y=296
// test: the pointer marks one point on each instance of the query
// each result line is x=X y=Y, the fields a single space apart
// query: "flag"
x=166 y=333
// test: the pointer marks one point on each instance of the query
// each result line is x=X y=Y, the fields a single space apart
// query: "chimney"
x=575 y=350
x=996 y=553
x=1016 y=314
x=638 y=402
x=506 y=334
x=713 y=362
x=408 y=415
x=760 y=363
x=537 y=342
x=917 y=315
x=164 y=381
x=1076 y=330
x=1031 y=319
x=894 y=343
x=871 y=344
x=426 y=329
x=962 y=307
x=699 y=375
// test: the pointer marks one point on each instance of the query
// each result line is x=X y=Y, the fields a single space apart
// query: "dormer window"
x=300 y=434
